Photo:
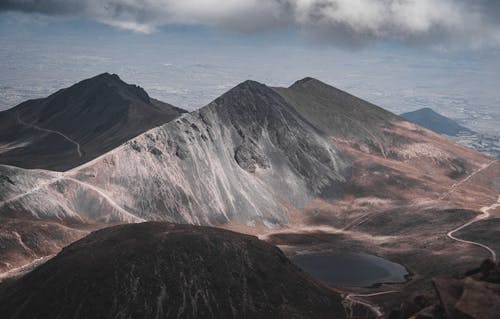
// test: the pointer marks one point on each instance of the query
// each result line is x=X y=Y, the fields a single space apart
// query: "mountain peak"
x=107 y=77
x=427 y=110
x=250 y=84
x=248 y=90
x=108 y=83
x=307 y=81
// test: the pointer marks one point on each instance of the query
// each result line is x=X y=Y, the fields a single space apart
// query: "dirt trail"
x=36 y=127
x=350 y=299
x=34 y=189
x=111 y=201
x=452 y=188
x=484 y=210
x=485 y=215
x=24 y=269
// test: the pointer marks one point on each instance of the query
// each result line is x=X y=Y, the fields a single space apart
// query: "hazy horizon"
x=188 y=62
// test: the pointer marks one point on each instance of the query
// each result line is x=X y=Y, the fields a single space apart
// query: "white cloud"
x=354 y=22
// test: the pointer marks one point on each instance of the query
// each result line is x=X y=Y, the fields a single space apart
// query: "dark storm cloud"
x=352 y=22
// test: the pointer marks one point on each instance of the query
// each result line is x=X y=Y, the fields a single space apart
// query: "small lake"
x=351 y=269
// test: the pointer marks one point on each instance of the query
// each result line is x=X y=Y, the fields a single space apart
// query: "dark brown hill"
x=162 y=270
x=79 y=123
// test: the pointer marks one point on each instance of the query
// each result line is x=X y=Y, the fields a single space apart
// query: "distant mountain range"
x=79 y=123
x=440 y=124
x=308 y=167
x=436 y=122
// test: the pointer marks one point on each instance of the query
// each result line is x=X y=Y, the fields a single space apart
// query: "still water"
x=351 y=269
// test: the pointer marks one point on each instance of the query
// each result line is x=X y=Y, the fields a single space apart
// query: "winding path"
x=351 y=299
x=36 y=127
x=24 y=269
x=113 y=204
x=485 y=214
x=34 y=189
x=131 y=217
x=484 y=210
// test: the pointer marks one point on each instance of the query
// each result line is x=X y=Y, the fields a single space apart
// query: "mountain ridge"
x=78 y=123
x=256 y=161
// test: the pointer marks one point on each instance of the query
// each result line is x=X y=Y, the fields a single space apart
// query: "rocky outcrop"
x=474 y=295
x=234 y=160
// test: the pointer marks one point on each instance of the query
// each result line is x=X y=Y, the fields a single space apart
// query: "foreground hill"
x=435 y=122
x=79 y=123
x=160 y=270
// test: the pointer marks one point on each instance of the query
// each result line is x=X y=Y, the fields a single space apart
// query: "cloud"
x=344 y=22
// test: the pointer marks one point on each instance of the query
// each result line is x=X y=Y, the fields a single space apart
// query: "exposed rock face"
x=79 y=123
x=250 y=158
x=232 y=161
x=160 y=270
x=475 y=295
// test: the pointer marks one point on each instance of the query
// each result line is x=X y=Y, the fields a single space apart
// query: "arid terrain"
x=309 y=168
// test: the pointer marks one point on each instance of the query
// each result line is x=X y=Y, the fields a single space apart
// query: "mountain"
x=79 y=123
x=161 y=270
x=436 y=122
x=252 y=158
x=338 y=113
x=223 y=163
x=308 y=167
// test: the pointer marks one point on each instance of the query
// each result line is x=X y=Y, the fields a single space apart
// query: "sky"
x=399 y=54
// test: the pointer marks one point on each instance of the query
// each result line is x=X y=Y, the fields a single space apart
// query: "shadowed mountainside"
x=338 y=113
x=161 y=270
x=79 y=123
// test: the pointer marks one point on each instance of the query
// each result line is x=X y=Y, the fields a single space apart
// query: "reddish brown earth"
x=401 y=207
x=407 y=189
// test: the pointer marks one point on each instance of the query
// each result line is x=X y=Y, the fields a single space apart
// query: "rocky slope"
x=79 y=123
x=308 y=161
x=235 y=160
x=252 y=156
x=161 y=270
x=473 y=295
